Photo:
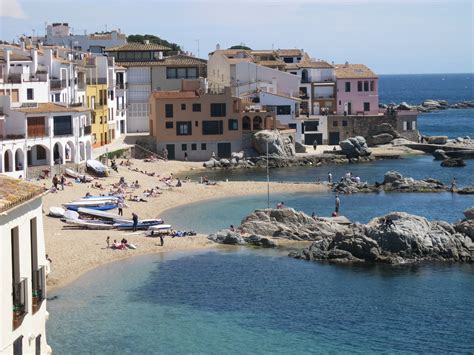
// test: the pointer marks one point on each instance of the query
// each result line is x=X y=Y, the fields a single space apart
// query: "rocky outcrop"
x=467 y=190
x=429 y=105
x=226 y=236
x=453 y=163
x=355 y=147
x=383 y=138
x=260 y=241
x=394 y=181
x=436 y=139
x=395 y=238
x=350 y=186
x=382 y=134
x=469 y=213
x=277 y=144
x=440 y=154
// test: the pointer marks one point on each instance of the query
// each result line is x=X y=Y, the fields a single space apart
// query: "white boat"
x=87 y=224
x=160 y=228
x=86 y=203
x=99 y=198
x=75 y=175
x=105 y=215
x=97 y=167
x=57 y=212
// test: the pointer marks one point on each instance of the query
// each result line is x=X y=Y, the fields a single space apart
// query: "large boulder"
x=440 y=154
x=391 y=176
x=466 y=227
x=211 y=163
x=437 y=139
x=355 y=147
x=382 y=138
x=226 y=236
x=260 y=241
x=300 y=148
x=277 y=144
x=453 y=163
x=394 y=181
x=237 y=155
x=469 y=212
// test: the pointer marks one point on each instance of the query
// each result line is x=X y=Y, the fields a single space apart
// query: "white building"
x=117 y=99
x=23 y=268
x=61 y=34
x=38 y=136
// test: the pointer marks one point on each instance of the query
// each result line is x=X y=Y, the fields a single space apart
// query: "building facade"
x=23 y=269
x=152 y=67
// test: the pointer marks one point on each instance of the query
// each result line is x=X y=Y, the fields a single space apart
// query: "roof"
x=50 y=107
x=354 y=71
x=272 y=63
x=175 y=94
x=180 y=59
x=14 y=56
x=135 y=46
x=13 y=192
x=289 y=52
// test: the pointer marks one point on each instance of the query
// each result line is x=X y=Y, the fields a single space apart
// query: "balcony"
x=96 y=81
x=38 y=288
x=20 y=299
x=57 y=84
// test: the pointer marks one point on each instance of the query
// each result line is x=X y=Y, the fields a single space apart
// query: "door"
x=224 y=150
x=333 y=138
x=170 y=149
x=349 y=108
x=316 y=108
x=309 y=138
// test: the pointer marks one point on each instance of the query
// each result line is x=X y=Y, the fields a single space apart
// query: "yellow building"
x=97 y=101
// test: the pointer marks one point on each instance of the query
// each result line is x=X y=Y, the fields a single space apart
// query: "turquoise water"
x=184 y=303
x=418 y=167
x=209 y=216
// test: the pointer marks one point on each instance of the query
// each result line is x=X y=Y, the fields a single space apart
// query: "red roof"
x=175 y=94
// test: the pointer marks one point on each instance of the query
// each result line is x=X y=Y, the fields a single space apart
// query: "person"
x=315 y=144
x=135 y=221
x=162 y=241
x=48 y=264
x=185 y=156
x=313 y=216
x=165 y=154
x=357 y=179
x=232 y=229
x=120 y=206
x=113 y=165
x=338 y=204
x=124 y=243
x=108 y=242
x=330 y=178
x=179 y=184
x=213 y=155
x=280 y=205
x=63 y=180
x=55 y=182
x=453 y=185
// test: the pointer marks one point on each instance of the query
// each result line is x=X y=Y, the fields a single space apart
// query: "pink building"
x=357 y=90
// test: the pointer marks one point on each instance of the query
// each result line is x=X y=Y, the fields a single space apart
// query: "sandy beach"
x=77 y=251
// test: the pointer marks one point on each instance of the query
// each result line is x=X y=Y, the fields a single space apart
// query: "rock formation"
x=453 y=163
x=355 y=147
x=394 y=181
x=277 y=144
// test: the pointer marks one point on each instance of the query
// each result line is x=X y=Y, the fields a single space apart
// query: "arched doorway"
x=38 y=155
x=19 y=160
x=58 y=153
x=257 y=123
x=70 y=152
x=246 y=126
x=8 y=160
x=88 y=150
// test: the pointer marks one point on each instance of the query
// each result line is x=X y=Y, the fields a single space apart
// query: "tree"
x=154 y=39
x=241 y=46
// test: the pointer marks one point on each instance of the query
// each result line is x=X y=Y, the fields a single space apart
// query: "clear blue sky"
x=390 y=36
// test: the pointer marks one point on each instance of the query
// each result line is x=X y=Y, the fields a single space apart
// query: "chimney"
x=218 y=47
x=146 y=41
x=7 y=61
x=22 y=44
x=34 y=57
x=160 y=55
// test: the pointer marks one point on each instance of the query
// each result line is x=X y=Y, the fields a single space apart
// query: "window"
x=359 y=86
x=292 y=125
x=183 y=128
x=334 y=123
x=29 y=94
x=181 y=73
x=168 y=124
x=348 y=86
x=183 y=107
x=284 y=110
x=344 y=123
x=372 y=85
x=196 y=123
x=288 y=60
x=366 y=86
x=184 y=147
x=62 y=125
x=212 y=127
x=196 y=107
x=218 y=110
x=311 y=126
x=203 y=146
x=194 y=146
x=233 y=125
x=366 y=106
x=168 y=110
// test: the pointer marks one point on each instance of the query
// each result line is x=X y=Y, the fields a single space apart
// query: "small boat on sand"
x=103 y=215
x=74 y=206
x=144 y=224
x=97 y=168
x=76 y=175
x=57 y=212
x=87 y=224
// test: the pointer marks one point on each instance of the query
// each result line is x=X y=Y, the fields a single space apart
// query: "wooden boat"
x=97 y=168
x=142 y=225
x=76 y=175
x=87 y=224
x=100 y=207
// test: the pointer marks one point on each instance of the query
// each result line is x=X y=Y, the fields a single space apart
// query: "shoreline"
x=77 y=251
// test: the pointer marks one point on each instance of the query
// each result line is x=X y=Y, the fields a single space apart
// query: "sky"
x=390 y=36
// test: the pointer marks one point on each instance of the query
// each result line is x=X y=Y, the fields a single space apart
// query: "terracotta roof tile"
x=354 y=71
x=50 y=107
x=15 y=191
x=135 y=46
x=175 y=94
x=180 y=59
x=289 y=52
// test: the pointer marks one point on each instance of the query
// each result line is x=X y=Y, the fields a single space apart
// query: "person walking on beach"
x=315 y=145
x=55 y=182
x=121 y=204
x=338 y=204
x=162 y=241
x=108 y=242
x=63 y=181
x=135 y=221
x=185 y=156
x=165 y=154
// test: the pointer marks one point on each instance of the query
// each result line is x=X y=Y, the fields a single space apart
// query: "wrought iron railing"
x=38 y=283
x=20 y=301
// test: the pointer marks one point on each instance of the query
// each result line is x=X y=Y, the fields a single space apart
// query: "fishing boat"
x=88 y=224
x=142 y=225
x=74 y=206
x=98 y=198
x=76 y=175
x=57 y=212
x=159 y=229
x=97 y=168
x=103 y=215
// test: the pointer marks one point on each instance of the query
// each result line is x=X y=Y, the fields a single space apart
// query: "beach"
x=76 y=251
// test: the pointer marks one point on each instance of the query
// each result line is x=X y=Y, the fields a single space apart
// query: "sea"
x=245 y=300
